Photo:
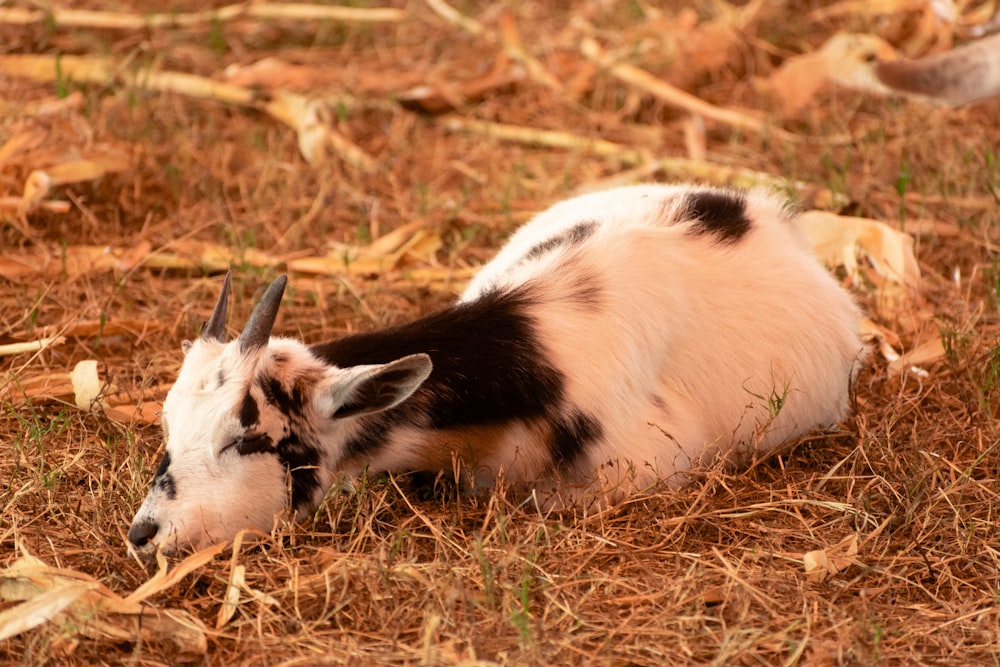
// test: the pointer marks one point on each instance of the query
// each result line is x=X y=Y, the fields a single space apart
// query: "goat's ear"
x=363 y=389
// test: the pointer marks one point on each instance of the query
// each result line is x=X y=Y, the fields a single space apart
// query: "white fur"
x=708 y=327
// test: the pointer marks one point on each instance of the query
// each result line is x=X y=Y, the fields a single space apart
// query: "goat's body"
x=612 y=343
x=617 y=340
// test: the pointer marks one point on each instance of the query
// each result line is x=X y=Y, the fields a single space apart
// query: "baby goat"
x=619 y=339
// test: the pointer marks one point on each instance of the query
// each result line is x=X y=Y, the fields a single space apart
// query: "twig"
x=51 y=205
x=311 y=122
x=455 y=17
x=547 y=138
x=744 y=119
x=674 y=96
x=515 y=49
x=84 y=18
x=296 y=111
x=687 y=168
x=30 y=346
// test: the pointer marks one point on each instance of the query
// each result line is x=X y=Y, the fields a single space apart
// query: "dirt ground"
x=424 y=138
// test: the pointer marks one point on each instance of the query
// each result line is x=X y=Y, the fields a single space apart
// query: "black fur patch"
x=301 y=461
x=722 y=213
x=289 y=401
x=489 y=366
x=369 y=437
x=578 y=233
x=249 y=412
x=163 y=480
x=253 y=444
x=571 y=436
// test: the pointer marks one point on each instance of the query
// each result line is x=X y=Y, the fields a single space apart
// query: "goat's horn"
x=215 y=328
x=258 y=329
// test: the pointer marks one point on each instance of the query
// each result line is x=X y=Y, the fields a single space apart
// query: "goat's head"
x=254 y=428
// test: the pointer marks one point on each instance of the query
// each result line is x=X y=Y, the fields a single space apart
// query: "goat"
x=618 y=340
x=966 y=74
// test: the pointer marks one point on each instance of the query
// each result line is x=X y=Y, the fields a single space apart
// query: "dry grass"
x=710 y=574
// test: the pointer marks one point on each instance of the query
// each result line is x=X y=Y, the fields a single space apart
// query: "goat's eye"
x=251 y=444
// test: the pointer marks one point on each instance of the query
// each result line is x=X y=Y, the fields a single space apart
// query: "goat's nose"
x=140 y=533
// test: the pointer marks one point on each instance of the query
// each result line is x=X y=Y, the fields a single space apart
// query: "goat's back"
x=688 y=322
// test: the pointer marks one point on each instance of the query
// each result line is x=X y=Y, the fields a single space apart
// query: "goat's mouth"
x=147 y=537
x=142 y=534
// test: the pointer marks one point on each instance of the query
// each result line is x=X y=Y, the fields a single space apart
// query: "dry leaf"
x=25 y=140
x=925 y=353
x=205 y=256
x=231 y=601
x=886 y=340
x=37 y=610
x=838 y=241
x=390 y=242
x=237 y=584
x=147 y=412
x=381 y=255
x=81 y=387
x=824 y=562
x=129 y=409
x=86 y=384
x=82 y=606
x=87 y=169
x=36 y=186
x=165 y=579
x=40 y=389
x=423 y=246
x=889 y=265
